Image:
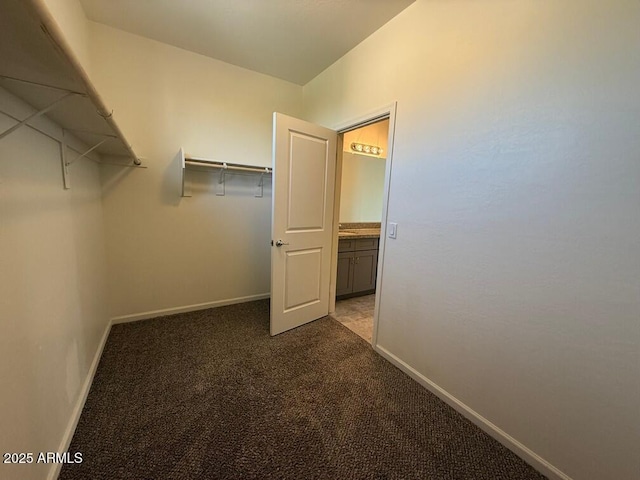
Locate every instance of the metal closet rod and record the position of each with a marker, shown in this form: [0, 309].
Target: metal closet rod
[203, 162]
[51, 27]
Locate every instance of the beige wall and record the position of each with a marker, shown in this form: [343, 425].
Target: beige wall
[167, 252]
[513, 283]
[53, 311]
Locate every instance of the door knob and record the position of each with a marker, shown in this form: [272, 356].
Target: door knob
[279, 243]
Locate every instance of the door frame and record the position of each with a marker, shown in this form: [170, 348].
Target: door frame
[382, 113]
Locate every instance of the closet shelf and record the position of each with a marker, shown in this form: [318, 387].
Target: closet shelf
[38, 66]
[225, 168]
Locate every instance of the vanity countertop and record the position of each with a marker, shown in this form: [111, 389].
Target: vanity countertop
[355, 233]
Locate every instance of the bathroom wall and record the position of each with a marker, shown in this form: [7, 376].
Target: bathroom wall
[363, 175]
[362, 188]
[376, 134]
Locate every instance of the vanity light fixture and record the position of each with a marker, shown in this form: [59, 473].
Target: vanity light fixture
[366, 149]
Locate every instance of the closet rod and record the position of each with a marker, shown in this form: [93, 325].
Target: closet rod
[226, 166]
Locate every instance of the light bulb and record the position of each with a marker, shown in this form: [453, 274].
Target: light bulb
[368, 149]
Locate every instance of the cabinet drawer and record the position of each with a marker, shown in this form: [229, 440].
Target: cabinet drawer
[366, 244]
[346, 245]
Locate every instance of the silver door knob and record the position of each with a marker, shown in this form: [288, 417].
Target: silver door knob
[279, 243]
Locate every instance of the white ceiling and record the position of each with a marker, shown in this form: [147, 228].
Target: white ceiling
[293, 40]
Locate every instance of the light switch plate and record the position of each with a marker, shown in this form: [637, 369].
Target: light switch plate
[393, 230]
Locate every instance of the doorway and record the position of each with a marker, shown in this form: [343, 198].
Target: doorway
[307, 177]
[362, 189]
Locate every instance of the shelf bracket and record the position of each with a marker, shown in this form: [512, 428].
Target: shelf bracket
[86, 152]
[220, 190]
[66, 180]
[186, 185]
[260, 188]
[37, 114]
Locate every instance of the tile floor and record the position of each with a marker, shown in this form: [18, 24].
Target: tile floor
[357, 315]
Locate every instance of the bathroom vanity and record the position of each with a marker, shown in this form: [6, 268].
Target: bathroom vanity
[357, 261]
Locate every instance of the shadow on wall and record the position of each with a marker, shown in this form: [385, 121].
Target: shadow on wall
[112, 175]
[171, 188]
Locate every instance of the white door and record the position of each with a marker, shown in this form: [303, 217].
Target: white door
[304, 165]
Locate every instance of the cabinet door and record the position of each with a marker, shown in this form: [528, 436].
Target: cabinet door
[344, 281]
[364, 270]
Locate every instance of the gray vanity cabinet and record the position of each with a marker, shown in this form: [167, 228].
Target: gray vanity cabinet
[344, 282]
[364, 271]
[357, 266]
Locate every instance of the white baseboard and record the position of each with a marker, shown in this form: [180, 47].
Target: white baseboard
[503, 437]
[187, 308]
[54, 471]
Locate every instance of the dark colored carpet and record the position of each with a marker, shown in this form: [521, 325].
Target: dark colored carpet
[210, 395]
